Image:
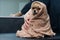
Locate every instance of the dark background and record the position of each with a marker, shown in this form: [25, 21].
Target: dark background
[10, 25]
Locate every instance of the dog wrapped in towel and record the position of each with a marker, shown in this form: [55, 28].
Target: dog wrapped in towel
[36, 22]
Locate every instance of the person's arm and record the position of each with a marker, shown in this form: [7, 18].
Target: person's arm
[28, 5]
[23, 11]
[26, 8]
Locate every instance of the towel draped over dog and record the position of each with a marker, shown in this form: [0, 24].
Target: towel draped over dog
[36, 25]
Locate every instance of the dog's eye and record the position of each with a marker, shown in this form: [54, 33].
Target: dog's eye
[33, 8]
[38, 8]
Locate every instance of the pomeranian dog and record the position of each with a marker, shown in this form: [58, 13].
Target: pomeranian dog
[36, 22]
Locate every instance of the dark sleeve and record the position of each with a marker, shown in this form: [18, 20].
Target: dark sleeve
[26, 8]
[28, 5]
[44, 1]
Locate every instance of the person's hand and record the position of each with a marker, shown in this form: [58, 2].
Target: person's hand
[17, 14]
[26, 24]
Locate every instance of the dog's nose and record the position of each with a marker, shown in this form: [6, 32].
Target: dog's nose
[34, 12]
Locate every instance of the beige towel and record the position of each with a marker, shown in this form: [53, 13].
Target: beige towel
[36, 25]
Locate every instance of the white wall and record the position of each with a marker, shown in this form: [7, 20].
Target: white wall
[8, 7]
[22, 4]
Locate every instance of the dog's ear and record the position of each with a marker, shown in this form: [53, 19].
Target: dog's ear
[42, 11]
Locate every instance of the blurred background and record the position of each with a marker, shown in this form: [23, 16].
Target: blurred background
[10, 25]
[8, 7]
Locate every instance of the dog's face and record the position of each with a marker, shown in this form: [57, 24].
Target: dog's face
[36, 8]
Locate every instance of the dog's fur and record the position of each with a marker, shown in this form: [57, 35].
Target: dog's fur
[38, 22]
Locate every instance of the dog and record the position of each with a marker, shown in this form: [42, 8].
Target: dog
[36, 22]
